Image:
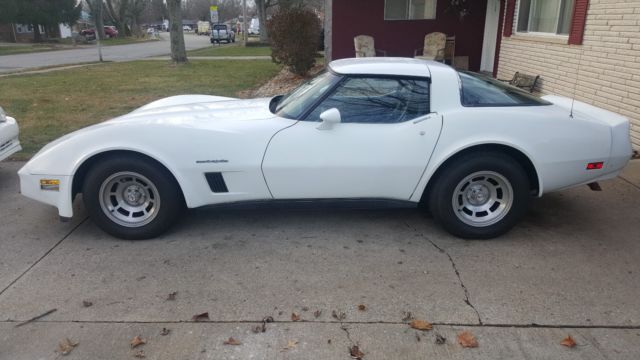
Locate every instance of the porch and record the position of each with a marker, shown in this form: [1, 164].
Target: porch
[399, 27]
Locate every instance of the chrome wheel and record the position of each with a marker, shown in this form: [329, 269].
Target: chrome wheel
[129, 199]
[482, 198]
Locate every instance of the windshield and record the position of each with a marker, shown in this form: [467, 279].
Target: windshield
[297, 102]
[479, 90]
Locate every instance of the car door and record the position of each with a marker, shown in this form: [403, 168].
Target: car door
[379, 149]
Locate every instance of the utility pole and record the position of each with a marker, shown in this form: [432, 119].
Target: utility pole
[99, 45]
[244, 22]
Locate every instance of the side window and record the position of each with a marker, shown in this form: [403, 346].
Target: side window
[377, 100]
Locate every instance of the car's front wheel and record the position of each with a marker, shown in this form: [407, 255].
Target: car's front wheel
[480, 196]
[132, 198]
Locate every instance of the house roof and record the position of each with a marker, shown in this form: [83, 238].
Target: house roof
[384, 66]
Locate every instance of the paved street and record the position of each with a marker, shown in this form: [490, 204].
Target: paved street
[110, 53]
[570, 268]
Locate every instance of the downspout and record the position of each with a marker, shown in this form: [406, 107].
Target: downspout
[496, 57]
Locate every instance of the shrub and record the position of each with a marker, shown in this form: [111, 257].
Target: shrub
[295, 34]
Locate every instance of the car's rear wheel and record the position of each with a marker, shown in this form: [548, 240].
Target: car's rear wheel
[132, 198]
[480, 196]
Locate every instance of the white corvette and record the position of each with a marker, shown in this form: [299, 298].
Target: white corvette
[470, 148]
[9, 143]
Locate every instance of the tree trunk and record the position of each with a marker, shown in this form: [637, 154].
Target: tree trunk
[262, 17]
[118, 17]
[36, 33]
[178, 53]
[95, 6]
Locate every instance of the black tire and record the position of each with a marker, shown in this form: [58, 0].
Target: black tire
[452, 179]
[165, 194]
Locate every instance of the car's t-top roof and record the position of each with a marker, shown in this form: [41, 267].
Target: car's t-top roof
[383, 66]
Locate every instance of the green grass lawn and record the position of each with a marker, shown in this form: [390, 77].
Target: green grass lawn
[232, 50]
[50, 105]
[124, 41]
[65, 45]
[23, 49]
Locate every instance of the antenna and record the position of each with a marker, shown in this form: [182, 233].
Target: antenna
[575, 84]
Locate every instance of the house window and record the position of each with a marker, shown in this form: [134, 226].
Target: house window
[545, 16]
[22, 28]
[409, 9]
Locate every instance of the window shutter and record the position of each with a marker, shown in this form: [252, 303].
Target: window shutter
[510, 13]
[576, 33]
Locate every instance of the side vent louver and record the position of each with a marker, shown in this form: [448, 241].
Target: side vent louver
[216, 182]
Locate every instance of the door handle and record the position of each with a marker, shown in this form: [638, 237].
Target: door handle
[421, 119]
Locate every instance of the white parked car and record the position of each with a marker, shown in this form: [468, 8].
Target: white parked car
[472, 149]
[9, 142]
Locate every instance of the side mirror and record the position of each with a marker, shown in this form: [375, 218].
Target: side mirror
[329, 118]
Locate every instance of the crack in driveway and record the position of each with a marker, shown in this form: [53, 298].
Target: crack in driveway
[343, 324]
[43, 256]
[455, 269]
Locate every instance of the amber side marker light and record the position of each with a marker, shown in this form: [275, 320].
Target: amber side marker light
[50, 184]
[595, 165]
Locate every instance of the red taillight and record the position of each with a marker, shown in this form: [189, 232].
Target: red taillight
[595, 165]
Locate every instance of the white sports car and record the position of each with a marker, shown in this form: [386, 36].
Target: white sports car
[470, 148]
[9, 142]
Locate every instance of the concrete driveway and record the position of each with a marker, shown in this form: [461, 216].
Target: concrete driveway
[570, 268]
[89, 54]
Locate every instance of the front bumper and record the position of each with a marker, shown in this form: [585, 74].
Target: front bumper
[61, 198]
[9, 142]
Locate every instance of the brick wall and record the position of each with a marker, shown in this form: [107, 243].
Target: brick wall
[603, 71]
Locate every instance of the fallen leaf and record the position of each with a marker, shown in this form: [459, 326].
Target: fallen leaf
[420, 325]
[466, 339]
[295, 317]
[440, 340]
[317, 313]
[362, 307]
[66, 346]
[338, 315]
[137, 341]
[356, 353]
[172, 296]
[140, 354]
[86, 303]
[232, 341]
[406, 316]
[568, 342]
[201, 317]
[291, 344]
[165, 331]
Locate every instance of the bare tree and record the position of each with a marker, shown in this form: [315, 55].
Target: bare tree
[178, 52]
[197, 9]
[118, 13]
[229, 9]
[263, 7]
[95, 8]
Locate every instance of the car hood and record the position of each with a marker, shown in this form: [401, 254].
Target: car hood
[191, 109]
[186, 111]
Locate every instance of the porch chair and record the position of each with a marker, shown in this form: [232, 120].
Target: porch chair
[434, 45]
[365, 47]
[450, 50]
[523, 81]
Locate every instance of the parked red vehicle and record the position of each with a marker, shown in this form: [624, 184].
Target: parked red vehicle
[109, 32]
